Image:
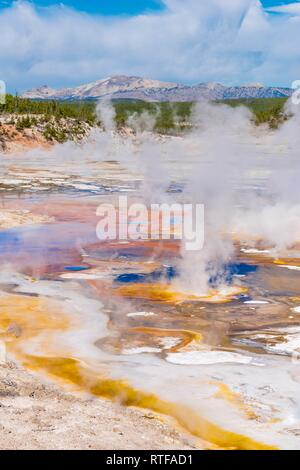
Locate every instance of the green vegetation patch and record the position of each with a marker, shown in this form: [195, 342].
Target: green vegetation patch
[82, 111]
[168, 118]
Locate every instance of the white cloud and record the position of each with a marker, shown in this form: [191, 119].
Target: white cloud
[230, 41]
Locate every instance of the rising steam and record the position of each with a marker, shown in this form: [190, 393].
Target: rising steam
[246, 177]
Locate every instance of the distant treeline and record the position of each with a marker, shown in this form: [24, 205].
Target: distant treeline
[168, 117]
[266, 110]
[82, 111]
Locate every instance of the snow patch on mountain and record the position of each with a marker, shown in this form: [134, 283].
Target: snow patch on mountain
[138, 88]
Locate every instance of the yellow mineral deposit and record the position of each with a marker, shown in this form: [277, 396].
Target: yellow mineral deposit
[119, 391]
[235, 399]
[165, 293]
[25, 319]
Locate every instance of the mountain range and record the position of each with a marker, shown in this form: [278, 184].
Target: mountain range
[122, 87]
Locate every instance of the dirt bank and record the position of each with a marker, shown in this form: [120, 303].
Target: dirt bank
[38, 415]
[15, 218]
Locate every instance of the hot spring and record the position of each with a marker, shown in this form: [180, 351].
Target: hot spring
[209, 337]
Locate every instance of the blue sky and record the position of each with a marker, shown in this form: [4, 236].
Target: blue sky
[118, 7]
[103, 7]
[271, 3]
[182, 41]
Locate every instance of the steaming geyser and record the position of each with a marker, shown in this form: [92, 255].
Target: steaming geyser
[80, 326]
